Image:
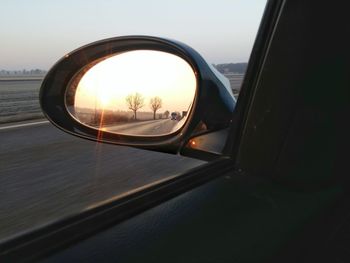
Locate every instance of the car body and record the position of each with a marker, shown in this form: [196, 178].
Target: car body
[173, 116]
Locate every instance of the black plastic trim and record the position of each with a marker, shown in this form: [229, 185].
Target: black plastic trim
[260, 50]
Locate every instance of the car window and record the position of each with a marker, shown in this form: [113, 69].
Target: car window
[47, 175]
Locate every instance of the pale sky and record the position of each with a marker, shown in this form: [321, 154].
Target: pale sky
[36, 33]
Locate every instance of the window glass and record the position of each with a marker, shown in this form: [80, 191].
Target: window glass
[45, 174]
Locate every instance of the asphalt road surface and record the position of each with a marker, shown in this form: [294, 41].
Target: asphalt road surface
[46, 174]
[153, 127]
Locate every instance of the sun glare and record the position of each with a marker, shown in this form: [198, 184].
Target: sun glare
[149, 73]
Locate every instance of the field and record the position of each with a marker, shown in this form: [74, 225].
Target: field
[19, 100]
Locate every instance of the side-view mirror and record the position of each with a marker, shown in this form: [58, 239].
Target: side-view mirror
[141, 91]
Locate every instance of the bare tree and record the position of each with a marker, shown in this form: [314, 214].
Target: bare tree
[156, 104]
[135, 102]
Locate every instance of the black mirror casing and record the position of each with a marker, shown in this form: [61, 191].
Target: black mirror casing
[213, 104]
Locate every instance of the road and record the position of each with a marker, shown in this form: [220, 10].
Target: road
[153, 127]
[46, 174]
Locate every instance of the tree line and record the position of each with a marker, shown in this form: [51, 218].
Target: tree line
[23, 72]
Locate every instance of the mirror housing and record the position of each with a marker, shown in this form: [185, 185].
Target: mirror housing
[211, 111]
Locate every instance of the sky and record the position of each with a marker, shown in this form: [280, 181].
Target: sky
[160, 74]
[37, 33]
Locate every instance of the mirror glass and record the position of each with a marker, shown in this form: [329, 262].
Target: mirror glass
[141, 92]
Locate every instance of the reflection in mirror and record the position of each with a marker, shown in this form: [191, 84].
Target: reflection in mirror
[142, 92]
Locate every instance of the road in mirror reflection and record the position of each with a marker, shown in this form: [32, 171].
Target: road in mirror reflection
[141, 92]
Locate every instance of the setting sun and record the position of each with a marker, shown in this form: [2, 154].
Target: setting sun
[149, 73]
